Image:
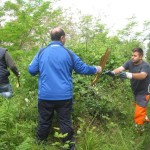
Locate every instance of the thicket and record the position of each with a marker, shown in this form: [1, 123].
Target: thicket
[103, 115]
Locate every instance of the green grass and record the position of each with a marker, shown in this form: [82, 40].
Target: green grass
[102, 116]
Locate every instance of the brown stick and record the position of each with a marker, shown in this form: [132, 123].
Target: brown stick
[102, 63]
[18, 82]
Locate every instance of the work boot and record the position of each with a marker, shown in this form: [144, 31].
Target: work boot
[147, 119]
[139, 128]
[72, 144]
[72, 147]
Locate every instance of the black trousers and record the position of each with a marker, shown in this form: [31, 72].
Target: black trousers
[46, 110]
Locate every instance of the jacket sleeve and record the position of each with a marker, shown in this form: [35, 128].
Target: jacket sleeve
[33, 67]
[81, 67]
[11, 64]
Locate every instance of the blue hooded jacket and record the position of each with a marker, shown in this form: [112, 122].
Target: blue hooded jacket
[55, 64]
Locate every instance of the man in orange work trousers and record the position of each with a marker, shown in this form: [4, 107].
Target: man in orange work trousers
[139, 75]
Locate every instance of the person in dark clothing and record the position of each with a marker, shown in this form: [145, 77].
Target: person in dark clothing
[139, 75]
[6, 62]
[55, 64]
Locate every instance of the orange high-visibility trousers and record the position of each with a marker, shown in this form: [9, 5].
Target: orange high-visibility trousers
[140, 113]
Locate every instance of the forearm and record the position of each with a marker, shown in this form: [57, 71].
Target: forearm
[10, 63]
[118, 70]
[139, 76]
[136, 76]
[15, 70]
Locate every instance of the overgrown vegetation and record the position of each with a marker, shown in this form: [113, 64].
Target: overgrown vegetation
[103, 115]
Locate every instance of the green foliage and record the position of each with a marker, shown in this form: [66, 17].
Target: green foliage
[148, 53]
[28, 23]
[102, 114]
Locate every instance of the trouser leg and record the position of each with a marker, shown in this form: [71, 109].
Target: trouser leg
[46, 112]
[140, 114]
[64, 119]
[6, 90]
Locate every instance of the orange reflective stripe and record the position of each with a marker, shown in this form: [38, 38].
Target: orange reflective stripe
[139, 115]
[147, 97]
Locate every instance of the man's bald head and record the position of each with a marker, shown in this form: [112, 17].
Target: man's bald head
[56, 34]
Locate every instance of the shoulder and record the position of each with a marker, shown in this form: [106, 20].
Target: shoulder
[127, 63]
[145, 64]
[3, 49]
[145, 67]
[70, 51]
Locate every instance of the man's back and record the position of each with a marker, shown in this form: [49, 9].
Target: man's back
[55, 68]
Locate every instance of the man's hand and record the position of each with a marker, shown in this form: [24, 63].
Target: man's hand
[98, 69]
[110, 73]
[125, 75]
[18, 74]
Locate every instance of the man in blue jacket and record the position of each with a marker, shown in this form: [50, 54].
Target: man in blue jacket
[55, 64]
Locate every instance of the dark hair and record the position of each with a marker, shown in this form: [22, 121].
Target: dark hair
[56, 34]
[139, 50]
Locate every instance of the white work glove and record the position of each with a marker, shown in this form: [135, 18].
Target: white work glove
[98, 69]
[125, 75]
